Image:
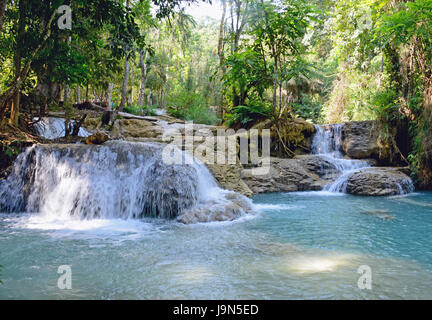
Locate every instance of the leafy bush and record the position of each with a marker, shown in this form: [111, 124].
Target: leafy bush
[309, 108]
[246, 115]
[190, 106]
[140, 110]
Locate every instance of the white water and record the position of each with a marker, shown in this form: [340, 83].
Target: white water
[53, 128]
[327, 143]
[117, 180]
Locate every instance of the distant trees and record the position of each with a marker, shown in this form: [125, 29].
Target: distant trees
[36, 54]
[269, 54]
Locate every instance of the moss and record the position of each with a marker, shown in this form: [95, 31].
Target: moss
[290, 137]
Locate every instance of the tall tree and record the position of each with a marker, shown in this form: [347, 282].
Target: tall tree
[221, 55]
[2, 12]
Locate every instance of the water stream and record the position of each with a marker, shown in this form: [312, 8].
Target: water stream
[107, 212]
[120, 179]
[327, 143]
[53, 128]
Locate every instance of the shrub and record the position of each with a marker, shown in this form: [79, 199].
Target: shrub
[190, 106]
[309, 108]
[140, 110]
[247, 115]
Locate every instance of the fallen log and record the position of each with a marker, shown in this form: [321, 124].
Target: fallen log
[132, 116]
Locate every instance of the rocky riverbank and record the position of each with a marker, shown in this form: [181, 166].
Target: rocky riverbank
[303, 171]
[300, 171]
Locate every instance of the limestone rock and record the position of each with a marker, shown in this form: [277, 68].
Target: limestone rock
[97, 138]
[92, 123]
[360, 139]
[229, 177]
[232, 207]
[296, 134]
[133, 128]
[298, 174]
[379, 181]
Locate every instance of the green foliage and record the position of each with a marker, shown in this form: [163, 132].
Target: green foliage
[190, 106]
[246, 115]
[11, 151]
[385, 105]
[272, 54]
[140, 110]
[246, 75]
[309, 107]
[411, 18]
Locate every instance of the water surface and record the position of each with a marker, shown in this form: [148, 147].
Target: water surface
[305, 245]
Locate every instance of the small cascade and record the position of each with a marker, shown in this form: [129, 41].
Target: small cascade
[116, 180]
[327, 143]
[53, 128]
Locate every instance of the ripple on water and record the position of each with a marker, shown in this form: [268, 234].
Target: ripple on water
[296, 247]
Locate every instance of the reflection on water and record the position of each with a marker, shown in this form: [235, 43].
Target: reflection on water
[314, 264]
[299, 246]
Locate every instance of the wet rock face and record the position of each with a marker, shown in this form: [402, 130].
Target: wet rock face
[303, 173]
[360, 140]
[229, 177]
[380, 181]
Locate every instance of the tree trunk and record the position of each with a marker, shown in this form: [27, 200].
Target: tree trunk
[237, 30]
[66, 97]
[78, 94]
[275, 83]
[17, 63]
[87, 92]
[126, 75]
[22, 75]
[143, 65]
[222, 56]
[109, 94]
[149, 98]
[125, 84]
[2, 12]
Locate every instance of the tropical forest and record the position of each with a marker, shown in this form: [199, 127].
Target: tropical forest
[215, 149]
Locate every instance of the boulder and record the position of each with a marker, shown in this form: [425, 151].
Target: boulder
[360, 139]
[229, 177]
[134, 128]
[97, 138]
[302, 173]
[379, 181]
[92, 123]
[232, 207]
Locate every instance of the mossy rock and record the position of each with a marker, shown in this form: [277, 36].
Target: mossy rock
[296, 135]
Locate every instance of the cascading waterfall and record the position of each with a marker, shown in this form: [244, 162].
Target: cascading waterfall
[116, 180]
[327, 143]
[53, 128]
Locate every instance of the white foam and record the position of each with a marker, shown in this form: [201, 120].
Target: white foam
[277, 207]
[323, 193]
[62, 227]
[53, 128]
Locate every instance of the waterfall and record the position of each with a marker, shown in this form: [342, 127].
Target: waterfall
[116, 180]
[327, 143]
[53, 128]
